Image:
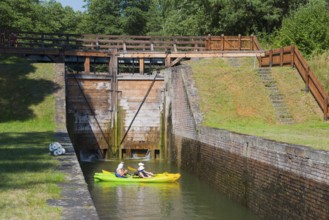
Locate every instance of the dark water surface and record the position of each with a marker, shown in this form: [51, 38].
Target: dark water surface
[189, 198]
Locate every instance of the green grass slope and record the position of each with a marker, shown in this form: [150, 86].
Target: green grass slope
[27, 172]
[320, 66]
[235, 99]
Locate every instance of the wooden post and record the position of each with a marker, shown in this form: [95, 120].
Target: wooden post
[97, 43]
[208, 42]
[153, 154]
[270, 58]
[175, 45]
[141, 65]
[124, 47]
[113, 69]
[281, 56]
[239, 42]
[152, 46]
[87, 65]
[325, 109]
[223, 42]
[128, 153]
[195, 45]
[292, 56]
[307, 83]
[252, 42]
[167, 61]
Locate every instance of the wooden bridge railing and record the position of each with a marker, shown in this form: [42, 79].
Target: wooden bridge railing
[232, 43]
[33, 40]
[291, 56]
[143, 43]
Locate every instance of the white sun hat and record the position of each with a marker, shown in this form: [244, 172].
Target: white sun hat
[140, 164]
[120, 166]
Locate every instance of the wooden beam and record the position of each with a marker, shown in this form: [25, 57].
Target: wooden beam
[176, 61]
[113, 69]
[132, 54]
[326, 106]
[204, 54]
[146, 54]
[167, 61]
[54, 52]
[141, 66]
[87, 65]
[87, 53]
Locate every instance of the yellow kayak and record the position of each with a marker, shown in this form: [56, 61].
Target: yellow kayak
[157, 178]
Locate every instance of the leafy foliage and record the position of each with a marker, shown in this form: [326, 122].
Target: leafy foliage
[304, 23]
[307, 27]
[140, 17]
[134, 21]
[225, 17]
[103, 17]
[38, 16]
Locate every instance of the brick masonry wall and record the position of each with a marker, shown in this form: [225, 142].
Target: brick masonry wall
[178, 113]
[274, 180]
[182, 118]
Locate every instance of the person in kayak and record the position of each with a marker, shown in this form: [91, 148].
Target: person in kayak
[120, 171]
[142, 172]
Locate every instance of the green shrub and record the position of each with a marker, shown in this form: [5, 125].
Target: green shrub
[307, 27]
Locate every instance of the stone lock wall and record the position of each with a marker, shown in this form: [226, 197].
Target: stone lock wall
[274, 180]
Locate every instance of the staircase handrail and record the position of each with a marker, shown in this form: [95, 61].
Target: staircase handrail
[291, 56]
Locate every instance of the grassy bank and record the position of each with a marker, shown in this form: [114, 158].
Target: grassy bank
[235, 99]
[27, 172]
[320, 66]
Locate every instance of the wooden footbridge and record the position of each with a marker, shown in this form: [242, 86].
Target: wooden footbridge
[170, 49]
[57, 47]
[165, 50]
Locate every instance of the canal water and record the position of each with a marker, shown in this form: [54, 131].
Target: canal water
[189, 198]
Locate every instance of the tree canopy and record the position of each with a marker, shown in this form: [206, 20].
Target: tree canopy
[301, 22]
[307, 27]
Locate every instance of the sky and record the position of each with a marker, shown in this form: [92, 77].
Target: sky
[75, 4]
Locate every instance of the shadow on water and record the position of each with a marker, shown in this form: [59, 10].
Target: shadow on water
[18, 92]
[189, 198]
[21, 153]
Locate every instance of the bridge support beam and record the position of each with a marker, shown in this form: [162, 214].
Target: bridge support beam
[87, 65]
[141, 66]
[113, 69]
[167, 61]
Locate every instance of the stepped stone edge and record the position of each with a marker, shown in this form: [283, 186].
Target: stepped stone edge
[75, 201]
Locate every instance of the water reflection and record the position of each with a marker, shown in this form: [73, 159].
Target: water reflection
[189, 198]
